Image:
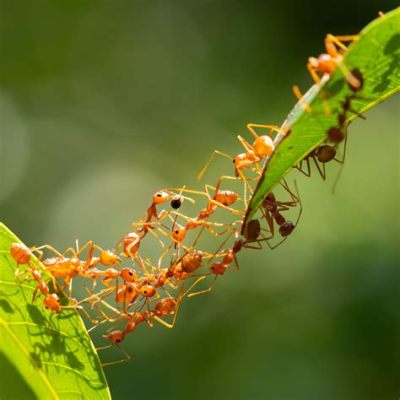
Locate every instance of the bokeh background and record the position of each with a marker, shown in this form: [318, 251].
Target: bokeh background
[105, 102]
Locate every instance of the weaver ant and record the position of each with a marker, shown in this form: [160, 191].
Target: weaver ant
[335, 135]
[262, 147]
[327, 63]
[160, 198]
[272, 212]
[23, 255]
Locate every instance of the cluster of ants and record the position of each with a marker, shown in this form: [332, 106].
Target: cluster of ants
[135, 289]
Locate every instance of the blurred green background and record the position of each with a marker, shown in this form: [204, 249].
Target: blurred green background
[105, 102]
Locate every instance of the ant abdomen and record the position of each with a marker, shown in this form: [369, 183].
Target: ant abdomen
[286, 228]
[176, 203]
[325, 153]
[252, 230]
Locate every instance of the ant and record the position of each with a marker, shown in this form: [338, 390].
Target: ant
[118, 336]
[66, 268]
[335, 135]
[160, 198]
[327, 63]
[272, 211]
[218, 268]
[220, 199]
[23, 255]
[262, 147]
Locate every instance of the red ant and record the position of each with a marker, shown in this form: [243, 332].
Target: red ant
[262, 147]
[333, 58]
[218, 268]
[159, 198]
[118, 336]
[23, 255]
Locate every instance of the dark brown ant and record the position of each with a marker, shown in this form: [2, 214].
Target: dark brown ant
[335, 135]
[272, 210]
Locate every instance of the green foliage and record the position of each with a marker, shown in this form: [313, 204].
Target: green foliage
[52, 352]
[377, 55]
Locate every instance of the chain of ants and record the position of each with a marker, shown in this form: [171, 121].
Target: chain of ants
[147, 291]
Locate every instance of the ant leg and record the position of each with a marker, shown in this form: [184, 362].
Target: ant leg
[295, 225]
[350, 78]
[295, 197]
[299, 166]
[250, 126]
[272, 247]
[208, 290]
[254, 247]
[313, 73]
[245, 144]
[126, 358]
[338, 41]
[321, 171]
[194, 284]
[220, 205]
[207, 164]
[247, 185]
[181, 295]
[249, 149]
[297, 93]
[331, 45]
[47, 247]
[94, 321]
[341, 161]
[154, 234]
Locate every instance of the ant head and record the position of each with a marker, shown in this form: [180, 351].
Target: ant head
[160, 197]
[179, 233]
[314, 62]
[147, 291]
[325, 153]
[115, 336]
[128, 275]
[335, 134]
[176, 202]
[237, 246]
[286, 228]
[126, 294]
[130, 289]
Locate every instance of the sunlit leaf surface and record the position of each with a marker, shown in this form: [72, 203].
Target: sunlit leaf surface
[52, 352]
[376, 54]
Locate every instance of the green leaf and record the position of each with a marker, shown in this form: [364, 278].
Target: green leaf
[376, 54]
[52, 352]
